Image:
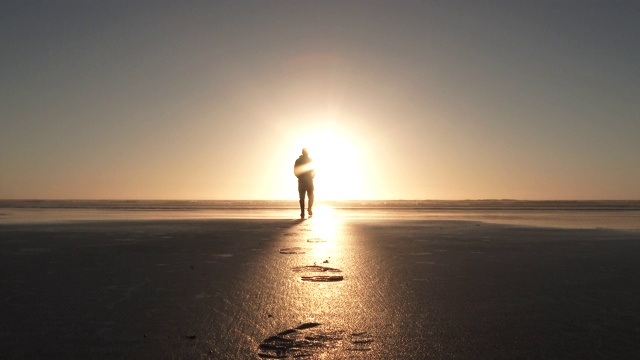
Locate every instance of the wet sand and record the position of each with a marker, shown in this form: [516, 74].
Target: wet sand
[321, 288]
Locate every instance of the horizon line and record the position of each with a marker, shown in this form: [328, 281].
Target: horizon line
[317, 200]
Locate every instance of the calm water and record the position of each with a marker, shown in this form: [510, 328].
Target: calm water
[569, 214]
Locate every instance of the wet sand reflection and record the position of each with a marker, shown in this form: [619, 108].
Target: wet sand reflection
[326, 295]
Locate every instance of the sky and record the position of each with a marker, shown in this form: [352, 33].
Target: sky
[395, 100]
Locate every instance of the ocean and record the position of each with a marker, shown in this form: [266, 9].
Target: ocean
[610, 214]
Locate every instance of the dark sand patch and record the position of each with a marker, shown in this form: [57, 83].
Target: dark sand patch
[312, 339]
[316, 240]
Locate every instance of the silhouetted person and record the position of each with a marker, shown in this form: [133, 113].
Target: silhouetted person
[305, 173]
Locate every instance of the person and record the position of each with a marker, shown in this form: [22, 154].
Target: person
[305, 172]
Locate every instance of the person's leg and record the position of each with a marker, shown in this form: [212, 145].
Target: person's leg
[310, 194]
[301, 192]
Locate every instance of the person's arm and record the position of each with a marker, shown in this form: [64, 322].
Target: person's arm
[296, 169]
[303, 169]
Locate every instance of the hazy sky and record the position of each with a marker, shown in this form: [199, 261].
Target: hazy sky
[402, 100]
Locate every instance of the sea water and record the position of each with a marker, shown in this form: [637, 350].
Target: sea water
[623, 215]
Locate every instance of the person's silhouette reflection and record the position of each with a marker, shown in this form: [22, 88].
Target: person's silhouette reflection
[305, 172]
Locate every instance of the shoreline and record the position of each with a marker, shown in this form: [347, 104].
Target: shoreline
[628, 220]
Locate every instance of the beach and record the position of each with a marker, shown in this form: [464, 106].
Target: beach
[329, 287]
[467, 173]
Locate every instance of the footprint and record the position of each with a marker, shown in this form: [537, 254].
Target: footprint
[311, 339]
[317, 240]
[307, 326]
[311, 269]
[293, 250]
[361, 341]
[314, 268]
[322, 278]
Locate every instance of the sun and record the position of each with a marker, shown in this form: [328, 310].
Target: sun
[337, 164]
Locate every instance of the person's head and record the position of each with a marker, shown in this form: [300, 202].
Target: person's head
[305, 152]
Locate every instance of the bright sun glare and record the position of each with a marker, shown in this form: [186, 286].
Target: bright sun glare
[337, 166]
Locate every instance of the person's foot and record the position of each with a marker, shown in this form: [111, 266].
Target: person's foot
[302, 215]
[310, 212]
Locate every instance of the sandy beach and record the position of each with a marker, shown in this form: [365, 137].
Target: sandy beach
[323, 288]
